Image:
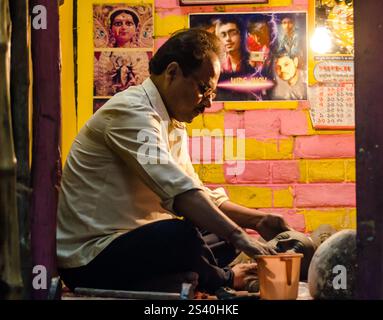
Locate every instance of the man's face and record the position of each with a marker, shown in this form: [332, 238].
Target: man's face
[230, 36]
[286, 68]
[287, 25]
[186, 94]
[123, 28]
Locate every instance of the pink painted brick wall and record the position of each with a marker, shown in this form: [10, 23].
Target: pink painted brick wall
[263, 124]
[325, 195]
[293, 123]
[255, 172]
[201, 152]
[234, 121]
[293, 218]
[325, 146]
[266, 124]
[285, 171]
[216, 106]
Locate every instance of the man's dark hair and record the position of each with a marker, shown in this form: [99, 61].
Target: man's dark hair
[284, 53]
[188, 48]
[118, 12]
[230, 19]
[287, 16]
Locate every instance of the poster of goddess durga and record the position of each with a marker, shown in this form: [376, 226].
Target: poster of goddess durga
[123, 26]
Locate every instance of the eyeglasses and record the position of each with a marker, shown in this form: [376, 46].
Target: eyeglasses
[205, 91]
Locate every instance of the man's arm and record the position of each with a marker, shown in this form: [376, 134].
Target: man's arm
[266, 224]
[196, 206]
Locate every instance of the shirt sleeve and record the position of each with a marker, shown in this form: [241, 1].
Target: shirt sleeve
[218, 195]
[135, 135]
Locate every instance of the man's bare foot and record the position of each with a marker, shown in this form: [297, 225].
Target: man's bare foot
[243, 273]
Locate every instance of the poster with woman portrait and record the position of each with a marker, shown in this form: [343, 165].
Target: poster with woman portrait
[123, 26]
[264, 55]
[123, 46]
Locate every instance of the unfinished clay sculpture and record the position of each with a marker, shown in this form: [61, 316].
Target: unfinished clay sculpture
[332, 269]
[297, 242]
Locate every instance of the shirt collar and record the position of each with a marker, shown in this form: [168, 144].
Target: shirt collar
[158, 104]
[155, 99]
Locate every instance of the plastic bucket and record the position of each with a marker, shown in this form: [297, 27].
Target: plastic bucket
[279, 276]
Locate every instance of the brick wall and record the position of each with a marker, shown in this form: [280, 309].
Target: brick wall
[304, 174]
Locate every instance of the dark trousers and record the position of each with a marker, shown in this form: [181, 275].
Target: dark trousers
[155, 250]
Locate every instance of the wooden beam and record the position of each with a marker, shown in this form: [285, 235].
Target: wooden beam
[20, 121]
[46, 162]
[10, 276]
[369, 146]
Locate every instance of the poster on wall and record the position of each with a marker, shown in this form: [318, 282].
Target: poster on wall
[123, 26]
[117, 71]
[331, 90]
[264, 54]
[123, 46]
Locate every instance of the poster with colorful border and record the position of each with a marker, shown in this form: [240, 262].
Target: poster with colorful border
[264, 54]
[123, 46]
[331, 64]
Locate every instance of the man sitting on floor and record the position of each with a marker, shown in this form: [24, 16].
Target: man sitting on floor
[132, 211]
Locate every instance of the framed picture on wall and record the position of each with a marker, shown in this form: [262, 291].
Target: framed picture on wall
[123, 26]
[211, 2]
[264, 54]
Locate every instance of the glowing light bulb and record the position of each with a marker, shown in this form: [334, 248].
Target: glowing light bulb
[321, 40]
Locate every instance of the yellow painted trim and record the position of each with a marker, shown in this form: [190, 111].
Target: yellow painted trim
[350, 170]
[310, 30]
[261, 105]
[166, 25]
[68, 105]
[271, 3]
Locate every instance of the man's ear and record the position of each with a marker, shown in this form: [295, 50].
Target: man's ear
[172, 70]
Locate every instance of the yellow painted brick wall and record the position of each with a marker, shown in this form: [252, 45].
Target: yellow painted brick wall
[210, 173]
[260, 105]
[279, 196]
[283, 198]
[343, 218]
[254, 197]
[208, 124]
[270, 149]
[350, 171]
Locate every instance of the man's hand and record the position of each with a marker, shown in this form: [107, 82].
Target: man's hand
[251, 247]
[271, 225]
